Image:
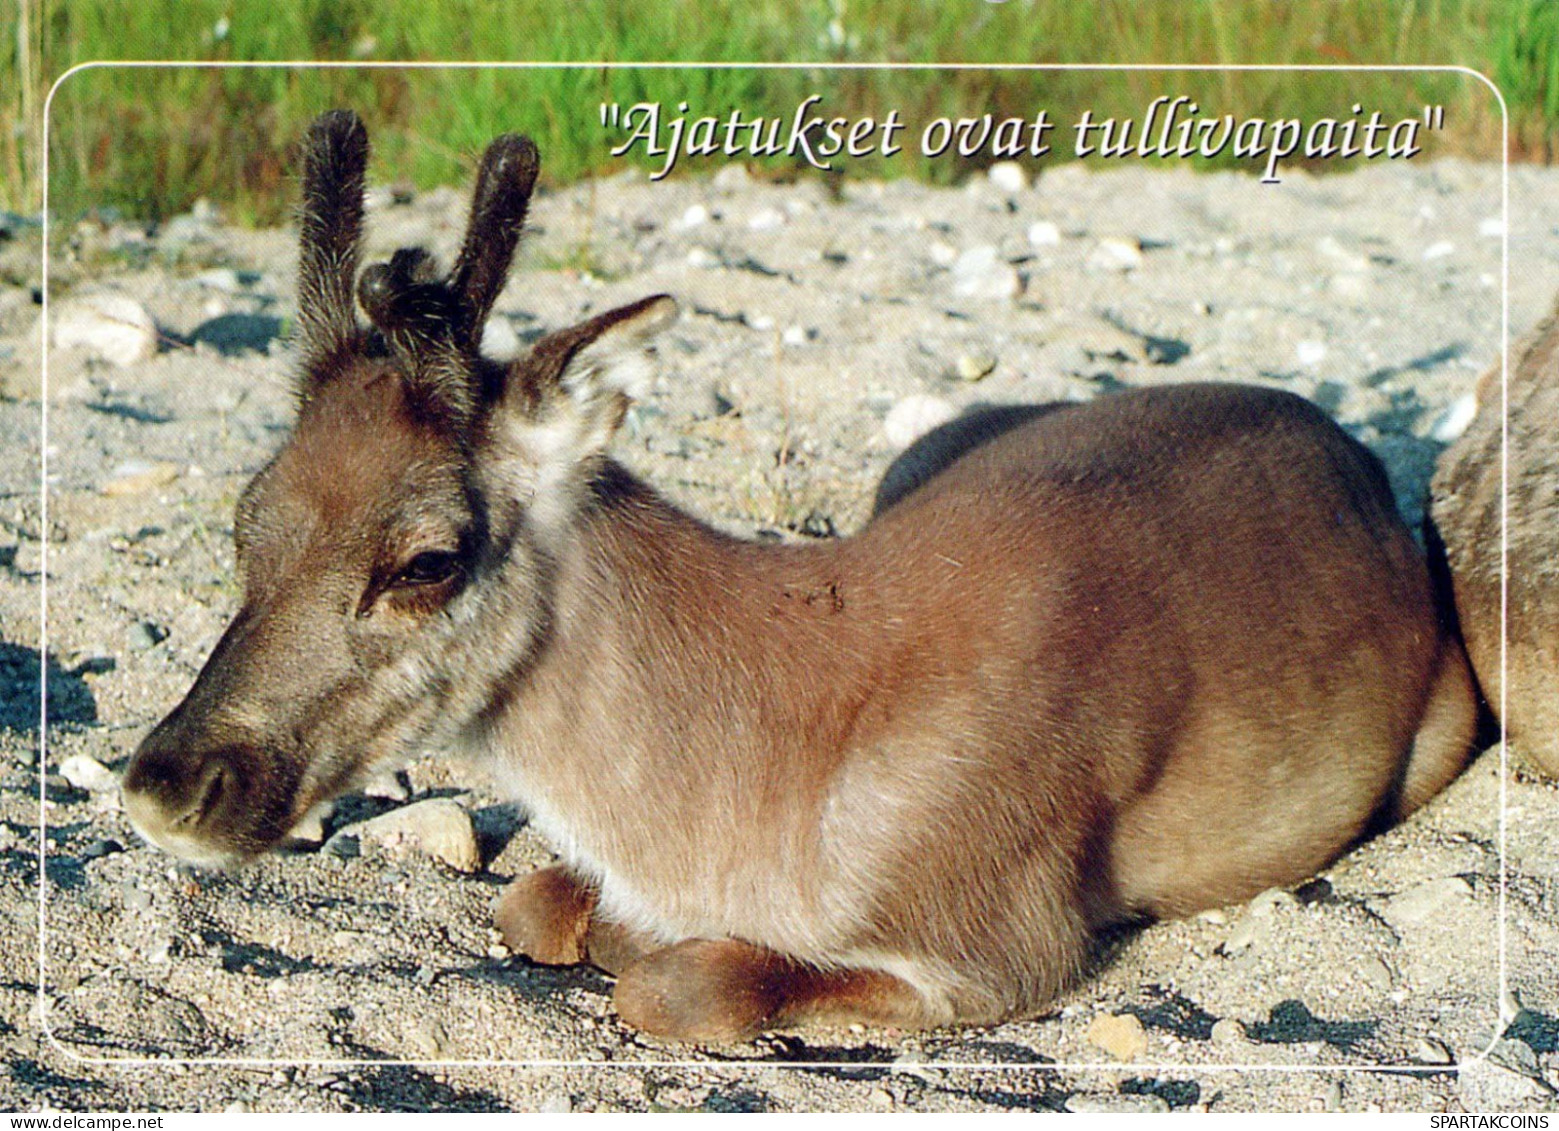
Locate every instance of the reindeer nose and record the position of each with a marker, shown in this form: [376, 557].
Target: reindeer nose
[174, 797]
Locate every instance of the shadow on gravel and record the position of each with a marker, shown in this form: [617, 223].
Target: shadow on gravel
[232, 334]
[70, 699]
[398, 1088]
[31, 1074]
[1537, 1031]
[1175, 1014]
[1291, 1022]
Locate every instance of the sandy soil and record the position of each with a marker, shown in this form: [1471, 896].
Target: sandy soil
[808, 321]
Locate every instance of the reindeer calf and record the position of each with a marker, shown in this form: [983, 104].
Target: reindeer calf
[1131, 658]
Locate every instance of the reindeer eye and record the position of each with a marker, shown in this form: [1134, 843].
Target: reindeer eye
[429, 568]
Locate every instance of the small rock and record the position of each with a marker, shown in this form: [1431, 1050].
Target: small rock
[914, 416]
[438, 826]
[237, 1107]
[1430, 1051]
[144, 634]
[1110, 1103]
[1422, 902]
[980, 272]
[1264, 904]
[942, 254]
[108, 325]
[136, 898]
[974, 366]
[1332, 1100]
[1376, 973]
[1251, 929]
[1487, 1086]
[1439, 250]
[732, 176]
[223, 279]
[695, 215]
[344, 846]
[428, 1037]
[1008, 176]
[1119, 1034]
[1451, 423]
[1349, 261]
[767, 220]
[703, 258]
[133, 477]
[1491, 226]
[1114, 253]
[1518, 1056]
[797, 335]
[561, 1103]
[101, 848]
[1350, 286]
[86, 772]
[1310, 353]
[881, 1099]
[1228, 1032]
[1042, 233]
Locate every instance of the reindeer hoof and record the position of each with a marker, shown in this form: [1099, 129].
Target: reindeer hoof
[544, 916]
[700, 990]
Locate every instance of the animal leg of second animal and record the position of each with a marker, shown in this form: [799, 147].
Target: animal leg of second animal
[1441, 746]
[729, 990]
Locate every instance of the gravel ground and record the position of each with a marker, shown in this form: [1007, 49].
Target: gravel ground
[818, 330]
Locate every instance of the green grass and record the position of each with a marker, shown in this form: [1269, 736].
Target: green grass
[148, 142]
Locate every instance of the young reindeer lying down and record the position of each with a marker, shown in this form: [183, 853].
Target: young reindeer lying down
[1132, 658]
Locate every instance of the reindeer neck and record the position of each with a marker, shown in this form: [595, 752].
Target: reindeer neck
[674, 643]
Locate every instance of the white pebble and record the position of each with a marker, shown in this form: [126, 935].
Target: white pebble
[693, 216]
[1439, 250]
[438, 826]
[1043, 233]
[1451, 423]
[797, 335]
[733, 176]
[1423, 903]
[86, 772]
[1310, 353]
[768, 220]
[1116, 253]
[110, 326]
[702, 257]
[980, 272]
[1491, 226]
[1008, 176]
[914, 416]
[942, 254]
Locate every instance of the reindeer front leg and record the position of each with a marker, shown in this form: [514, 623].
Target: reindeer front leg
[549, 917]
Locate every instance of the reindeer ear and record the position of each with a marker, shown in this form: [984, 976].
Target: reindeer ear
[584, 377]
[335, 161]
